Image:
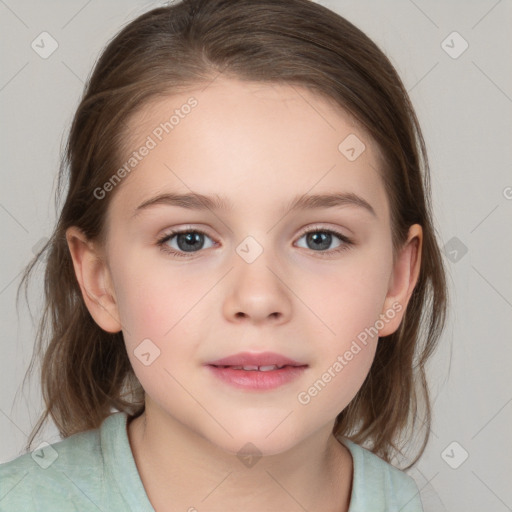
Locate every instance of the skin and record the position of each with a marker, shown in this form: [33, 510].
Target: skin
[259, 145]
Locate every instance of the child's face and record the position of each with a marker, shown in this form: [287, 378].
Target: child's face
[259, 147]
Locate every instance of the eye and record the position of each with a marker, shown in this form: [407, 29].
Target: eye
[184, 241]
[320, 240]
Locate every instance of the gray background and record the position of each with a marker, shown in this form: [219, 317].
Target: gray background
[464, 105]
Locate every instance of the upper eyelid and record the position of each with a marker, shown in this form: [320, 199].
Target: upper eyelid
[320, 227]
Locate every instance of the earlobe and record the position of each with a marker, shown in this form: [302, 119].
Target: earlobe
[404, 277]
[94, 279]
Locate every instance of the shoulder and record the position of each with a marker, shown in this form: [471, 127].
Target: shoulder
[379, 486]
[66, 473]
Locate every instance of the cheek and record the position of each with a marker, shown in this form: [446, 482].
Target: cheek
[159, 314]
[346, 297]
[348, 301]
[153, 299]
[154, 313]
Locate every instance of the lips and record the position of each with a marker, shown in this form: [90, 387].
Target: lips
[264, 361]
[256, 372]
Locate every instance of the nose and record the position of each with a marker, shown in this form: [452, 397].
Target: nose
[257, 293]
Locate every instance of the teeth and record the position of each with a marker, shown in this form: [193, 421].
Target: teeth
[257, 368]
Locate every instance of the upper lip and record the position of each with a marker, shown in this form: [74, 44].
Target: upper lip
[255, 359]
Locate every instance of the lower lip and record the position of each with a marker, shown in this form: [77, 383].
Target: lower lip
[257, 380]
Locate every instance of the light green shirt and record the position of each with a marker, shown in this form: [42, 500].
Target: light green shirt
[96, 471]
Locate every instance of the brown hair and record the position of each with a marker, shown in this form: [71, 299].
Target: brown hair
[85, 370]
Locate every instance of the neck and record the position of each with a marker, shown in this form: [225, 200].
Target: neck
[181, 470]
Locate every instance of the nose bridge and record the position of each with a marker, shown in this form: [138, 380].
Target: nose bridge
[256, 293]
[253, 263]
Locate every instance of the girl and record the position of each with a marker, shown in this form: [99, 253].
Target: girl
[244, 285]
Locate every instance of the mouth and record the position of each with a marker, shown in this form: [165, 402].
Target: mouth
[250, 361]
[257, 372]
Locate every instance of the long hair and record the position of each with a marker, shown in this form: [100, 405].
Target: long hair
[85, 371]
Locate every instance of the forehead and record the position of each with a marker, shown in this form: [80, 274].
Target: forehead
[253, 142]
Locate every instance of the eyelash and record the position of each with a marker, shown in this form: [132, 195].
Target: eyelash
[162, 242]
[166, 249]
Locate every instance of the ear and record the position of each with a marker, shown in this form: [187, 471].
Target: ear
[94, 278]
[403, 279]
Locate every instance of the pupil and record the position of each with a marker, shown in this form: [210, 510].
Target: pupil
[191, 241]
[320, 240]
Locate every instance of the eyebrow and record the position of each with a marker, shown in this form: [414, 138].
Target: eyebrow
[196, 201]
